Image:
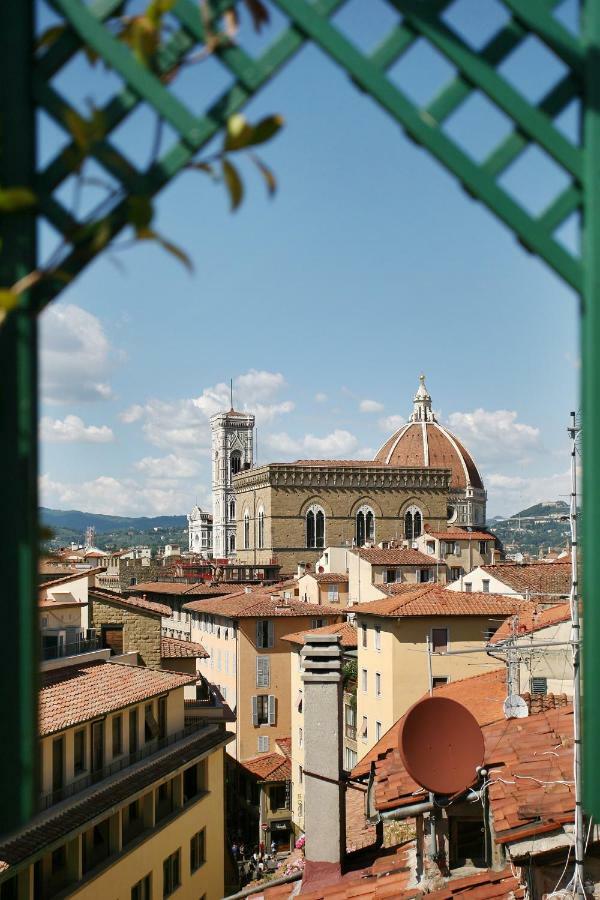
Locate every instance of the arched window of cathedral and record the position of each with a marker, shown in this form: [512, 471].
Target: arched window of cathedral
[231, 542]
[365, 526]
[236, 462]
[413, 523]
[315, 527]
[246, 530]
[232, 510]
[261, 528]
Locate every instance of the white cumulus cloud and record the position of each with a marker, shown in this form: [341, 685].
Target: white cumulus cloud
[370, 406]
[321, 397]
[507, 494]
[335, 445]
[496, 435]
[76, 358]
[255, 391]
[170, 466]
[73, 429]
[391, 423]
[120, 496]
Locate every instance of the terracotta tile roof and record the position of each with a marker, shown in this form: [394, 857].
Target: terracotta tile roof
[63, 822]
[47, 568]
[537, 703]
[177, 588]
[482, 694]
[78, 573]
[212, 590]
[484, 885]
[537, 577]
[251, 604]
[330, 577]
[285, 745]
[269, 767]
[433, 600]
[397, 556]
[60, 601]
[134, 603]
[173, 648]
[536, 793]
[347, 631]
[527, 621]
[461, 534]
[82, 692]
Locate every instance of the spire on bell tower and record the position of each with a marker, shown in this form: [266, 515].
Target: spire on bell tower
[422, 411]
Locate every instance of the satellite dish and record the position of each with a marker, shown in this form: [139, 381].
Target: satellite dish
[515, 707]
[441, 745]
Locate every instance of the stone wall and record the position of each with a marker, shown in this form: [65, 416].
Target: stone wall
[141, 631]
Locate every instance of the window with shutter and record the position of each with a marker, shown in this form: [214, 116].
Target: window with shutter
[255, 710]
[263, 743]
[270, 634]
[272, 713]
[263, 671]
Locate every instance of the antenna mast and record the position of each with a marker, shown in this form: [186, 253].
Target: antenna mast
[231, 393]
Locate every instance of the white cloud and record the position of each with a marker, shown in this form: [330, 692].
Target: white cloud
[252, 392]
[132, 414]
[391, 423]
[120, 497]
[507, 494]
[336, 445]
[370, 406]
[71, 429]
[495, 435]
[320, 398]
[170, 466]
[76, 359]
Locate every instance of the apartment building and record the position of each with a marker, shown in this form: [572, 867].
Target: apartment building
[537, 581]
[348, 642]
[131, 800]
[458, 551]
[393, 636]
[250, 662]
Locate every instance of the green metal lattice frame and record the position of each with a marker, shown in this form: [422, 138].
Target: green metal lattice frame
[533, 125]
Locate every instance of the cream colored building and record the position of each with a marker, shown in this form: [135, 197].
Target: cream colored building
[457, 551]
[323, 587]
[131, 800]
[536, 581]
[250, 662]
[348, 640]
[393, 668]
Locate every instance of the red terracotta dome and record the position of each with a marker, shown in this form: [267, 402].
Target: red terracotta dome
[423, 442]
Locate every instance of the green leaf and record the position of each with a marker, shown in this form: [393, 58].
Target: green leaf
[266, 173]
[49, 36]
[8, 301]
[141, 211]
[234, 184]
[156, 9]
[16, 199]
[77, 128]
[239, 133]
[266, 129]
[148, 234]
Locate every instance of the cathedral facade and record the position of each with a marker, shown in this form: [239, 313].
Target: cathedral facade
[421, 479]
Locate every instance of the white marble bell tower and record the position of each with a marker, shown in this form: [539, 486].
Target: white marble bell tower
[232, 452]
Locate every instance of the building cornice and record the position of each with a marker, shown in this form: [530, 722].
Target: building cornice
[303, 475]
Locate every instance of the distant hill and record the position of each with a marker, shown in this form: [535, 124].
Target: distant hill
[535, 529]
[547, 508]
[75, 520]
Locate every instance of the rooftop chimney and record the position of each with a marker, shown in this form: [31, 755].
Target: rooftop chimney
[324, 796]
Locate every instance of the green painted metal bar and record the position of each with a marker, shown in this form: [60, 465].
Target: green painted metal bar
[273, 59]
[530, 120]
[18, 423]
[69, 43]
[420, 128]
[567, 202]
[532, 15]
[590, 333]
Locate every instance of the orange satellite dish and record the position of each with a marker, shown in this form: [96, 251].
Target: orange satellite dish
[441, 745]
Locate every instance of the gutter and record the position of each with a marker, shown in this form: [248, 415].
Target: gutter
[257, 890]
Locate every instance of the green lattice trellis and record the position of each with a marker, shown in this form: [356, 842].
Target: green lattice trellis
[533, 125]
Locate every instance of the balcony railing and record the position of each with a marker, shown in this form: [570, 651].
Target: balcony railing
[57, 651]
[85, 780]
[350, 731]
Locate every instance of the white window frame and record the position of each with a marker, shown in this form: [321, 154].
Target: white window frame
[378, 692]
[364, 681]
[378, 731]
[364, 729]
[445, 628]
[263, 671]
[377, 637]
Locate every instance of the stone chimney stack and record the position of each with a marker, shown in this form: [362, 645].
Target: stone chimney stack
[324, 794]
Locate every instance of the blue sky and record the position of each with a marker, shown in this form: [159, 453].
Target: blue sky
[369, 266]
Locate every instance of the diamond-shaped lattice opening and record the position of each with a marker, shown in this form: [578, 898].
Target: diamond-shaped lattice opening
[138, 136]
[532, 69]
[80, 83]
[534, 180]
[421, 72]
[478, 126]
[366, 24]
[476, 21]
[568, 120]
[568, 14]
[569, 234]
[200, 84]
[51, 138]
[82, 193]
[49, 239]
